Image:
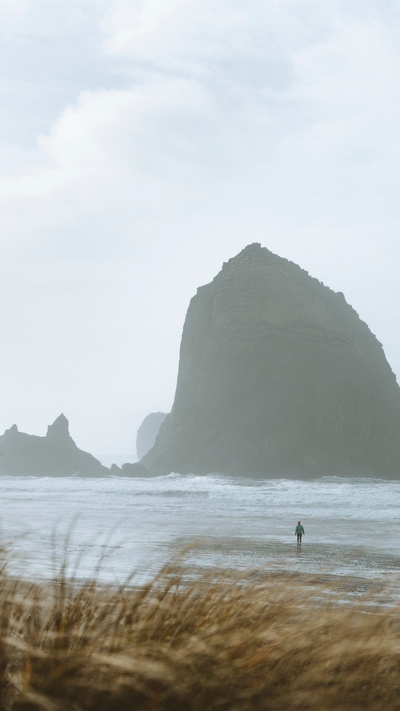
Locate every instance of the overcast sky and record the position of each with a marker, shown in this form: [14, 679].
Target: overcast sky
[145, 142]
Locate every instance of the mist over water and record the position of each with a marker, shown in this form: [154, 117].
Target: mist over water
[351, 526]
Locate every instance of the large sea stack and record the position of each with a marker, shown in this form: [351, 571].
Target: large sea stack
[278, 377]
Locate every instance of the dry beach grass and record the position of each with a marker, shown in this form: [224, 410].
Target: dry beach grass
[219, 642]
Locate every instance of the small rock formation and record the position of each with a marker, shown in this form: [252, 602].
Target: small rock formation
[278, 377]
[53, 455]
[147, 432]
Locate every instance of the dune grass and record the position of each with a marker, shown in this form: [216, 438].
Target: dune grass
[223, 642]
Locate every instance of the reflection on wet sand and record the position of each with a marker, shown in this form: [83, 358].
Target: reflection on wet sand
[353, 570]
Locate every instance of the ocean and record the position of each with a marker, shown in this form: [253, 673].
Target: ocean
[110, 527]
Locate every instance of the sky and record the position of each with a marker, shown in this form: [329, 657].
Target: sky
[145, 142]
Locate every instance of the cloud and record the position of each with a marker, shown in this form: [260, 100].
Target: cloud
[11, 7]
[273, 113]
[114, 153]
[231, 115]
[152, 28]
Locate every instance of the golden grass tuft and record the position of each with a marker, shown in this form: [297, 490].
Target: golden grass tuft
[221, 642]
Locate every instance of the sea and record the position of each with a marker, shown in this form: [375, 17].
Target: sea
[124, 530]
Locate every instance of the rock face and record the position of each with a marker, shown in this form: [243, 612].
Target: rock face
[53, 455]
[278, 377]
[148, 431]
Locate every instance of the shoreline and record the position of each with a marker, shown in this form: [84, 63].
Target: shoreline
[322, 587]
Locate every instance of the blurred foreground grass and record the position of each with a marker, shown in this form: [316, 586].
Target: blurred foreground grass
[219, 642]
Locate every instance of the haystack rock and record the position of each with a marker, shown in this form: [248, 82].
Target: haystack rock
[278, 377]
[53, 455]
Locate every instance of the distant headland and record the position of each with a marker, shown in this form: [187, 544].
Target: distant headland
[56, 454]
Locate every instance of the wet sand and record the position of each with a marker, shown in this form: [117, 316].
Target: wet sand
[351, 572]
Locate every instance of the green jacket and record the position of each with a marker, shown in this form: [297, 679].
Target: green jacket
[299, 529]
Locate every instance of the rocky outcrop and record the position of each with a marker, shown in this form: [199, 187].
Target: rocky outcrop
[53, 455]
[147, 432]
[278, 377]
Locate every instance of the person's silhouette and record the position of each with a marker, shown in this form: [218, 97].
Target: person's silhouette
[299, 532]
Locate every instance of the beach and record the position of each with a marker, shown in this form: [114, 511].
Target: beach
[191, 593]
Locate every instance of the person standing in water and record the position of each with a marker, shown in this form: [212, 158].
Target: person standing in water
[299, 532]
